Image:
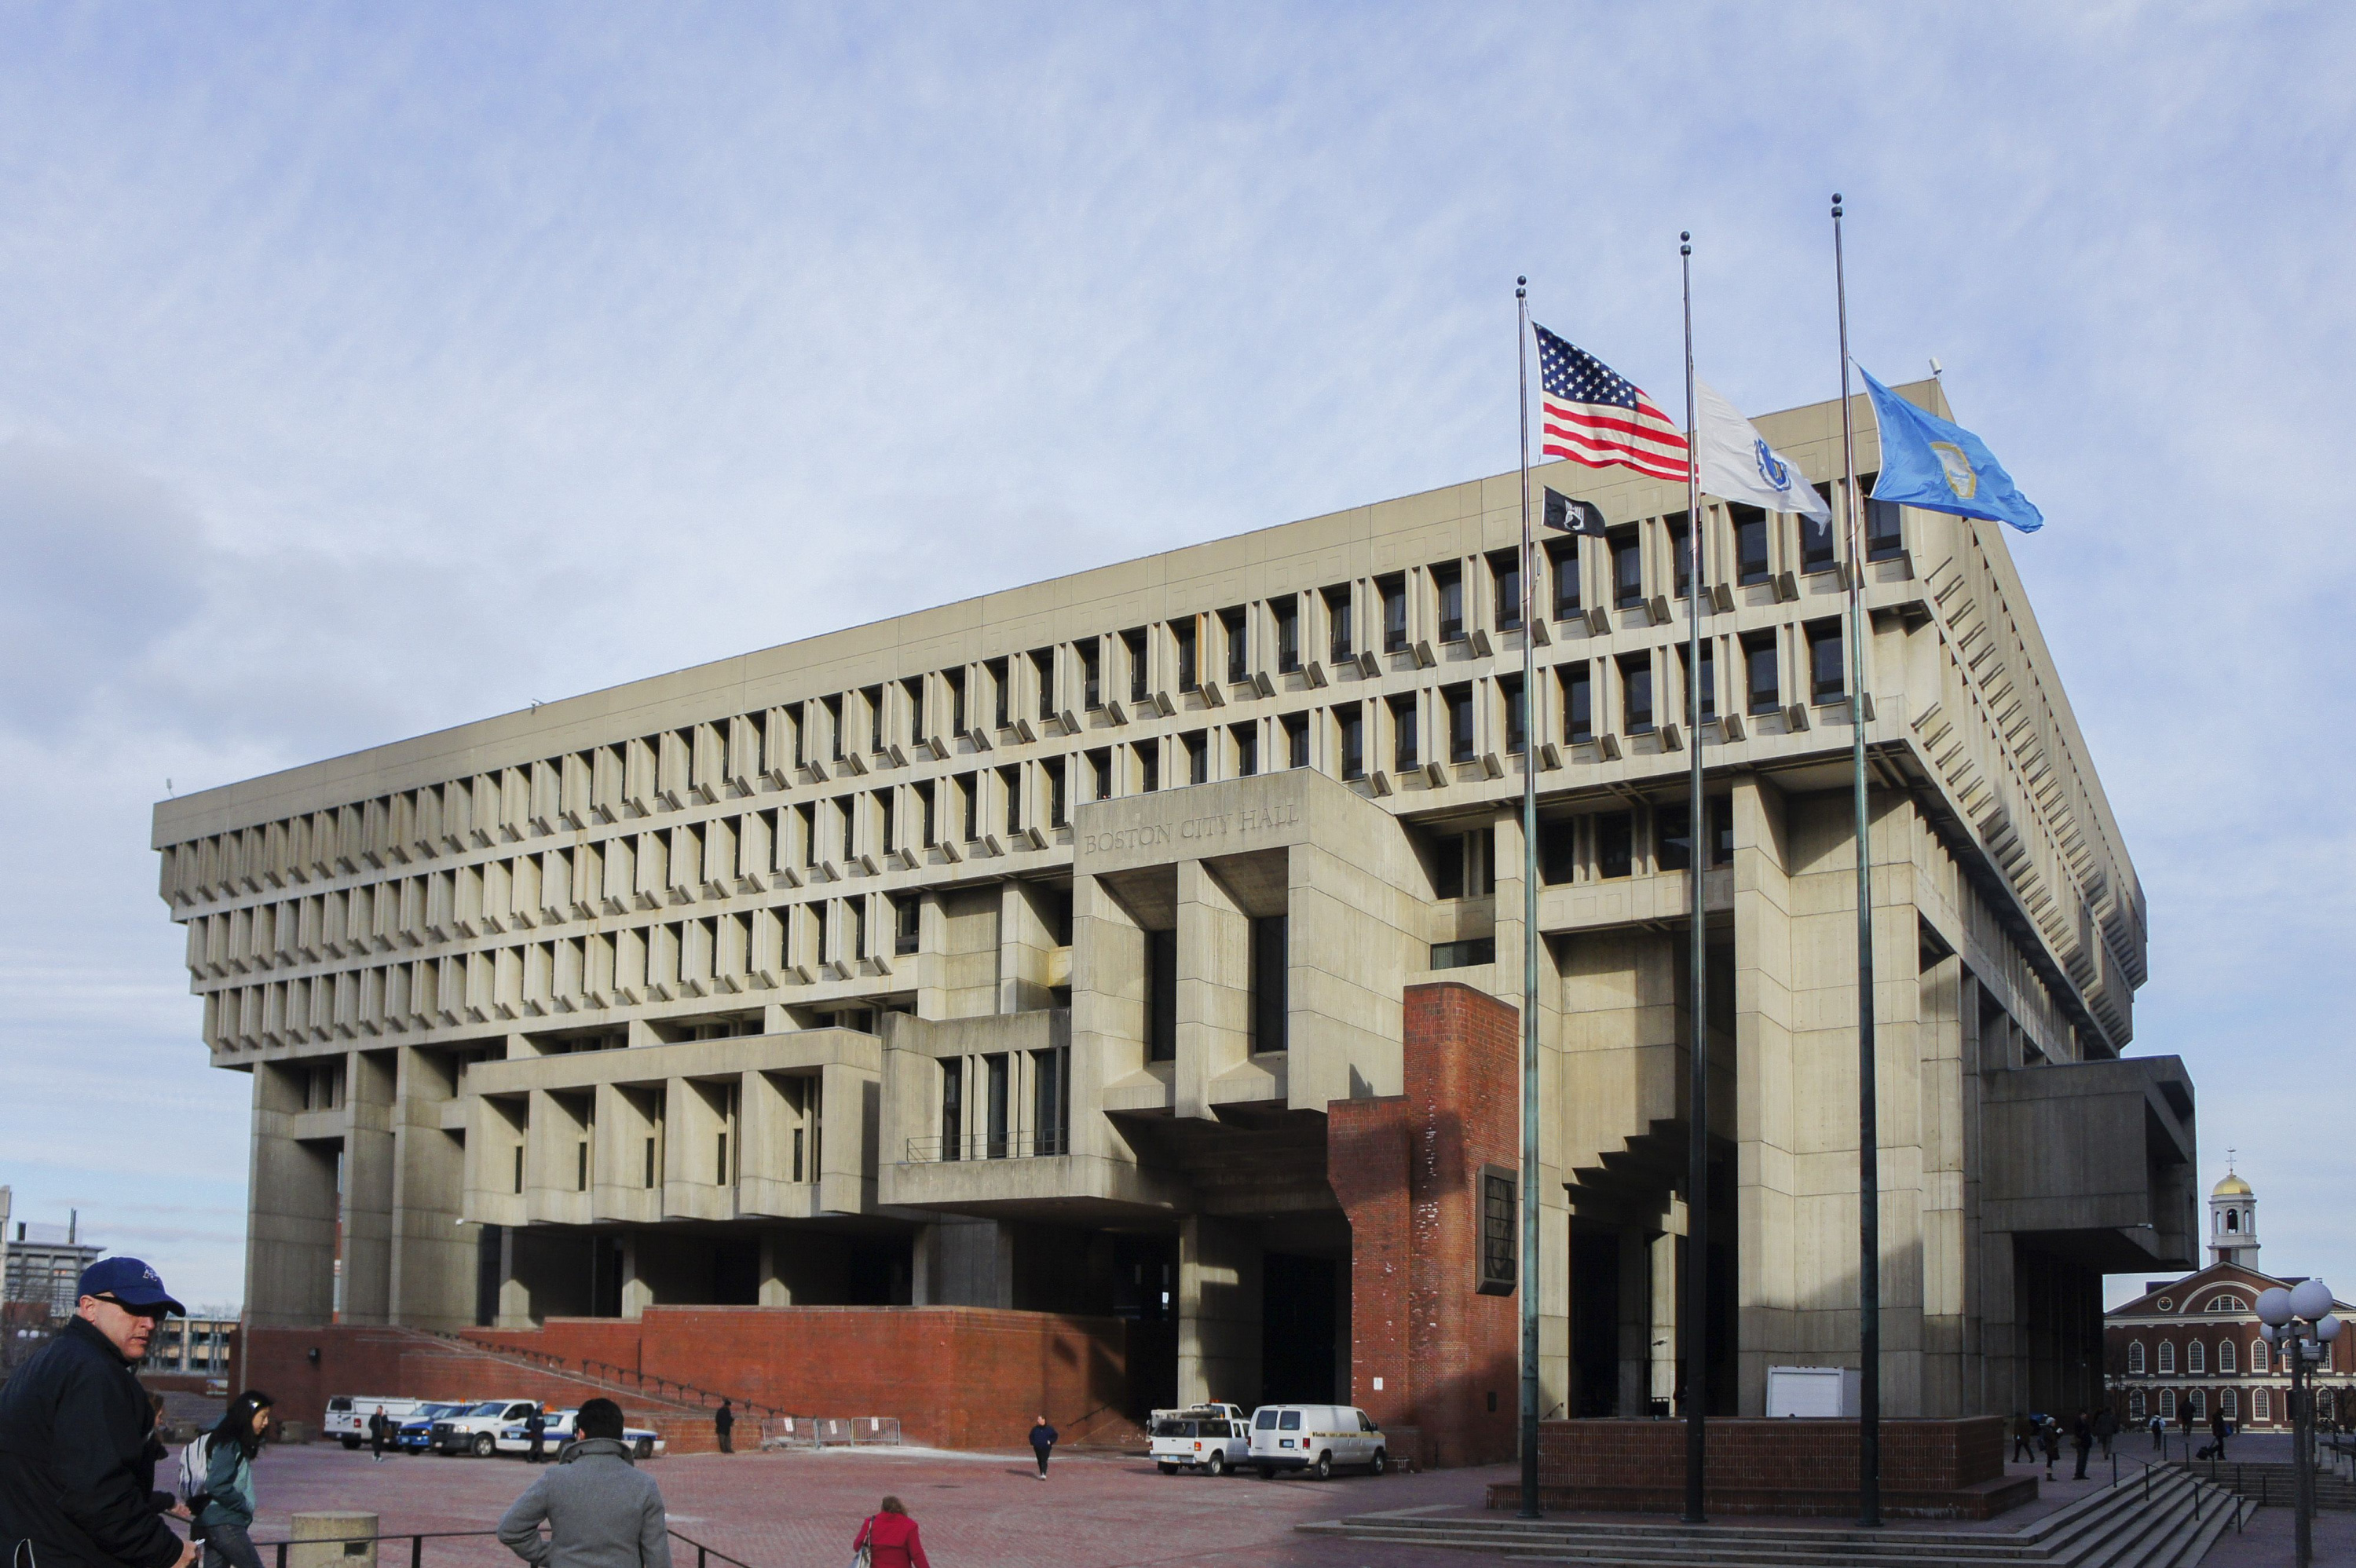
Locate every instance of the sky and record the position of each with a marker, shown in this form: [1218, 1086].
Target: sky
[365, 370]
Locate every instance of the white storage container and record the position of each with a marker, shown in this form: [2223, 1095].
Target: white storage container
[1813, 1390]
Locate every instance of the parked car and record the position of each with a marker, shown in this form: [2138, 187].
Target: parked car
[476, 1429]
[416, 1434]
[1213, 1437]
[644, 1442]
[1318, 1438]
[348, 1414]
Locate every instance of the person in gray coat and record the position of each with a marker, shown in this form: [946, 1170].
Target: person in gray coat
[601, 1512]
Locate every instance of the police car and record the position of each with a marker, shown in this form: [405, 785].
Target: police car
[1210, 1437]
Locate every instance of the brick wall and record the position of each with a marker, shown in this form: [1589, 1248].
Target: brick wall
[398, 1362]
[1405, 1169]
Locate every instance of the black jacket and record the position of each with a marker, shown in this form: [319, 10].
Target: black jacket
[1043, 1436]
[73, 1438]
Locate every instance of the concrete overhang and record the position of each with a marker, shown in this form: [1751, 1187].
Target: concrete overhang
[2095, 1158]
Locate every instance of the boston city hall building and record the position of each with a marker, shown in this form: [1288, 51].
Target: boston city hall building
[1104, 994]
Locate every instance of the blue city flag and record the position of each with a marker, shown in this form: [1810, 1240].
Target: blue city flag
[1942, 467]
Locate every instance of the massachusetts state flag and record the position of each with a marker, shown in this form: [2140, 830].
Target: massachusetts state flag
[1590, 414]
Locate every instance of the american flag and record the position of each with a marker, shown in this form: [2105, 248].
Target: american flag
[1591, 415]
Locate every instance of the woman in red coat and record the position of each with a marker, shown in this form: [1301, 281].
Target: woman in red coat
[890, 1538]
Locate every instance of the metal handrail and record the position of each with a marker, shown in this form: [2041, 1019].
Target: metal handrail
[978, 1147]
[618, 1374]
[704, 1556]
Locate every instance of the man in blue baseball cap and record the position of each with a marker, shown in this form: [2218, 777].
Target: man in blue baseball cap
[73, 1431]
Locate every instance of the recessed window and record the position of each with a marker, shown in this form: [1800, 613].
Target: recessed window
[1247, 750]
[1708, 679]
[969, 787]
[1749, 544]
[1816, 537]
[1562, 556]
[1404, 753]
[2168, 1403]
[1286, 611]
[1506, 579]
[1557, 850]
[1132, 643]
[1673, 836]
[1447, 866]
[2167, 1357]
[2224, 1355]
[1091, 670]
[1766, 692]
[1100, 773]
[915, 687]
[1149, 766]
[1264, 982]
[908, 910]
[1342, 633]
[1351, 719]
[1509, 693]
[1636, 693]
[1459, 702]
[1162, 993]
[1447, 588]
[1615, 843]
[1577, 703]
[872, 696]
[2136, 1358]
[833, 706]
[1001, 691]
[1627, 566]
[2196, 1357]
[2135, 1404]
[1185, 632]
[1680, 532]
[1296, 740]
[1393, 589]
[1052, 771]
[1233, 625]
[1042, 676]
[1885, 538]
[953, 1108]
[1009, 780]
[1463, 954]
[956, 679]
[1824, 673]
[1499, 1242]
[2258, 1355]
[1198, 757]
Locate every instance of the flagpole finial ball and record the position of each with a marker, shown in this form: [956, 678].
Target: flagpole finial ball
[1684, 236]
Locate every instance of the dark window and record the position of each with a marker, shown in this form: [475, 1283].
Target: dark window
[1615, 842]
[953, 1108]
[1059, 914]
[1680, 529]
[1719, 813]
[1343, 643]
[1286, 611]
[1051, 1098]
[1458, 955]
[1509, 692]
[908, 910]
[1247, 750]
[1233, 624]
[1266, 982]
[1000, 696]
[1499, 1240]
[1708, 679]
[1394, 591]
[956, 679]
[1627, 566]
[1759, 659]
[883, 801]
[1350, 717]
[1296, 740]
[970, 787]
[1749, 544]
[1447, 866]
[801, 735]
[916, 690]
[1100, 773]
[925, 821]
[1885, 538]
[875, 698]
[1011, 781]
[1043, 670]
[1198, 757]
[1636, 693]
[1816, 538]
[1557, 850]
[995, 1111]
[1185, 632]
[1673, 836]
[1577, 703]
[1459, 699]
[1053, 771]
[1505, 576]
[1161, 991]
[1133, 643]
[833, 706]
[1091, 672]
[1824, 674]
[1563, 554]
[1149, 766]
[1448, 587]
[1404, 753]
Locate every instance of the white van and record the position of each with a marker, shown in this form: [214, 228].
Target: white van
[348, 1417]
[1318, 1438]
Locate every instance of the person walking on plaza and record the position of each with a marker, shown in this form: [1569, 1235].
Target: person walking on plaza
[2023, 1433]
[2106, 1426]
[226, 1521]
[2048, 1437]
[2184, 1425]
[2218, 1430]
[601, 1510]
[2082, 1438]
[379, 1430]
[1042, 1440]
[535, 1433]
[2158, 1433]
[890, 1538]
[724, 1422]
[74, 1424]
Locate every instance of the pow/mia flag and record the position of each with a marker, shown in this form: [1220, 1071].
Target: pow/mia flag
[1572, 516]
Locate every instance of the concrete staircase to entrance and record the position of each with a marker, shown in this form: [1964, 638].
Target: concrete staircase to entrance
[2115, 1528]
[2272, 1483]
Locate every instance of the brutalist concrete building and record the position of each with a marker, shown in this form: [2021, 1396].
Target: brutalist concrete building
[1020, 954]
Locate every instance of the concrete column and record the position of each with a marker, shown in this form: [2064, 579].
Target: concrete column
[776, 1287]
[1213, 987]
[964, 1263]
[1768, 1287]
[637, 1293]
[1219, 1312]
[1026, 943]
[1109, 1005]
[1948, 1213]
[371, 1082]
[433, 1256]
[290, 1249]
[1551, 1272]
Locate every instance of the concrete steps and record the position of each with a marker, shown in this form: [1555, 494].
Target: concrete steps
[2271, 1482]
[2115, 1528]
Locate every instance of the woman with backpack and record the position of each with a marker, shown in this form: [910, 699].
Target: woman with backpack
[226, 1515]
[888, 1540]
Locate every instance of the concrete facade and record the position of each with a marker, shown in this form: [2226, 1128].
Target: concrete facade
[1011, 954]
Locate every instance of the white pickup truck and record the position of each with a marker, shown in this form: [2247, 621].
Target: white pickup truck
[348, 1417]
[1210, 1437]
[476, 1429]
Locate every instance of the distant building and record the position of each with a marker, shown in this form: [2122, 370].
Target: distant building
[45, 1263]
[192, 1346]
[2193, 1343]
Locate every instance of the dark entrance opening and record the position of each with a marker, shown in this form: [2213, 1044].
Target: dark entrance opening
[1595, 1321]
[735, 1274]
[607, 1263]
[1145, 1294]
[1298, 1329]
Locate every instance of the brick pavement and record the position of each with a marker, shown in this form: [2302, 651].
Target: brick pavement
[800, 1510]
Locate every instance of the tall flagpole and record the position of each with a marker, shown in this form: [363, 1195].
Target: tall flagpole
[1528, 1283]
[1868, 1139]
[1694, 1326]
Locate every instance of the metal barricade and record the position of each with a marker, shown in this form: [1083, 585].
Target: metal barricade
[832, 1431]
[868, 1429]
[789, 1432]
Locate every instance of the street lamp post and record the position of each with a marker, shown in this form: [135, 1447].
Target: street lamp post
[2298, 1323]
